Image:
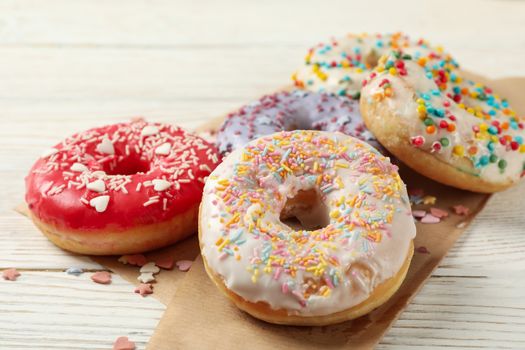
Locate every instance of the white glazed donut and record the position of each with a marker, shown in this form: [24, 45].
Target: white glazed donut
[448, 128]
[340, 65]
[311, 276]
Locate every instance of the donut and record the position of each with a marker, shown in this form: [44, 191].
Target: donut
[448, 128]
[120, 189]
[290, 110]
[340, 65]
[350, 252]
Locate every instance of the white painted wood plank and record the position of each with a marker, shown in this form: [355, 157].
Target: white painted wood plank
[53, 310]
[24, 247]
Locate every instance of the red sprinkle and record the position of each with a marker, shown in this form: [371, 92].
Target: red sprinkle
[135, 259]
[123, 343]
[10, 274]
[461, 210]
[422, 250]
[166, 263]
[417, 141]
[101, 277]
[144, 289]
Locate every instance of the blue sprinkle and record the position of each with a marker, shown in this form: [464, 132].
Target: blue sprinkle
[425, 97]
[76, 271]
[493, 130]
[484, 160]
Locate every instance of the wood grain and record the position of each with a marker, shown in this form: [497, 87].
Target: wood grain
[66, 66]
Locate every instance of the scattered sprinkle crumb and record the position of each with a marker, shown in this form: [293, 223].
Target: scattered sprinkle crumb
[429, 200]
[150, 267]
[439, 213]
[419, 213]
[422, 250]
[123, 343]
[461, 210]
[430, 219]
[101, 277]
[135, 259]
[10, 274]
[184, 265]
[166, 263]
[144, 289]
[461, 224]
[76, 271]
[416, 199]
[146, 277]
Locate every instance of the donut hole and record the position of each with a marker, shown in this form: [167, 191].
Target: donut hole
[372, 59]
[127, 166]
[305, 211]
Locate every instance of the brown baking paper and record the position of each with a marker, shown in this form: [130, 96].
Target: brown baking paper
[200, 317]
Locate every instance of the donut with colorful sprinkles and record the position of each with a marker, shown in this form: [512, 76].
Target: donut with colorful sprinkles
[445, 127]
[341, 64]
[291, 110]
[348, 255]
[120, 189]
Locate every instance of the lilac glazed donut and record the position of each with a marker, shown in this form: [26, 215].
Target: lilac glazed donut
[295, 110]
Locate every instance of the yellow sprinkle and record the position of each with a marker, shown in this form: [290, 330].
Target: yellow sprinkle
[458, 150]
[335, 214]
[219, 241]
[522, 148]
[341, 165]
[429, 200]
[223, 244]
[286, 168]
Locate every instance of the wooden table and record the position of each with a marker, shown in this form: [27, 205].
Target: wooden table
[69, 65]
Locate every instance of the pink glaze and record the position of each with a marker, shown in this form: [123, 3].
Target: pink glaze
[124, 159]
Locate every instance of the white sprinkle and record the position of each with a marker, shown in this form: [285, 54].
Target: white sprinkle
[151, 201]
[160, 185]
[163, 149]
[184, 181]
[98, 174]
[190, 174]
[49, 152]
[146, 277]
[84, 200]
[99, 203]
[149, 130]
[105, 146]
[78, 167]
[205, 167]
[97, 186]
[139, 185]
[150, 268]
[164, 203]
